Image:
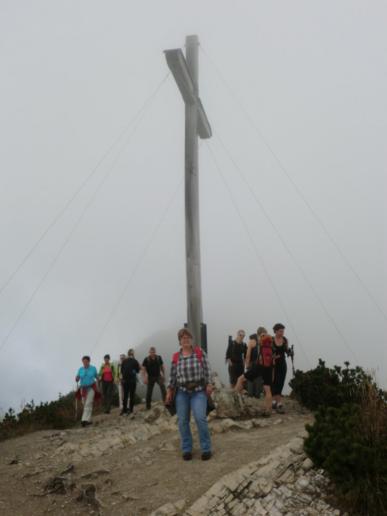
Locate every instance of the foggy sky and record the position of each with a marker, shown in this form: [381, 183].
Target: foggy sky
[312, 76]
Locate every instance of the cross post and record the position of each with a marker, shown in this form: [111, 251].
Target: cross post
[186, 73]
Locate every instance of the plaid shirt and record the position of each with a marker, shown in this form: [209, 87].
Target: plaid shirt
[190, 370]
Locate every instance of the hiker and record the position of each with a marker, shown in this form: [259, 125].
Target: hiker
[235, 357]
[190, 384]
[107, 374]
[153, 372]
[261, 365]
[129, 369]
[87, 376]
[280, 349]
[119, 379]
[254, 387]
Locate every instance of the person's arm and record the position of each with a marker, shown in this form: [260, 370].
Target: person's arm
[248, 352]
[144, 372]
[228, 353]
[78, 376]
[208, 379]
[162, 368]
[172, 383]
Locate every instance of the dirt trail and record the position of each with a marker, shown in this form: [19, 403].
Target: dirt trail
[129, 481]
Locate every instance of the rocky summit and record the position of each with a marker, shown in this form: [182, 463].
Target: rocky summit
[132, 466]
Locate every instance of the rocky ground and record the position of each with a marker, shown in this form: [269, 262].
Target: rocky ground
[132, 466]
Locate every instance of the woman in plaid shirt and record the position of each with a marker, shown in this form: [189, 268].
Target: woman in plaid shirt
[191, 382]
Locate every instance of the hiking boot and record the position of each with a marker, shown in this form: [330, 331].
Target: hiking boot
[187, 455]
[266, 413]
[280, 409]
[123, 412]
[274, 405]
[206, 455]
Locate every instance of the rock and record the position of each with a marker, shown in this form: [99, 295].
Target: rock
[307, 464]
[87, 496]
[296, 445]
[95, 474]
[153, 414]
[302, 483]
[69, 469]
[58, 485]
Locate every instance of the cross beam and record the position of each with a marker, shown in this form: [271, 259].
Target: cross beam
[185, 70]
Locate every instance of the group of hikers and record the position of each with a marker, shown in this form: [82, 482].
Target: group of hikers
[125, 376]
[260, 362]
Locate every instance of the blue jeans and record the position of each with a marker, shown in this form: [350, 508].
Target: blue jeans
[197, 402]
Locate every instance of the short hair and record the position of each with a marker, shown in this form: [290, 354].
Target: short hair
[184, 331]
[85, 357]
[261, 331]
[278, 326]
[152, 348]
[130, 351]
[107, 356]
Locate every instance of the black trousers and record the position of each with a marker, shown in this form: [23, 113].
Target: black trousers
[129, 389]
[280, 370]
[235, 370]
[149, 391]
[107, 394]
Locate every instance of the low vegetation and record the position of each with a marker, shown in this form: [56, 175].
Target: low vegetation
[349, 436]
[58, 414]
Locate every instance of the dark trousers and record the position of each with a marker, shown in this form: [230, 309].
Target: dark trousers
[235, 370]
[107, 393]
[129, 389]
[149, 391]
[280, 370]
[255, 387]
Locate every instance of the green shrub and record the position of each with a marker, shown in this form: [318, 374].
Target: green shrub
[350, 443]
[55, 414]
[329, 387]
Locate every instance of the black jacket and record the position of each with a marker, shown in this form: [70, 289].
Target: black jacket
[129, 368]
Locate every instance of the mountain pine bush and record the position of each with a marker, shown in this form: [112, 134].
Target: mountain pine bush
[348, 438]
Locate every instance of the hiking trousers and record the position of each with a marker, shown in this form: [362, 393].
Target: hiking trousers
[149, 390]
[280, 370]
[129, 389]
[255, 387]
[197, 403]
[88, 405]
[107, 393]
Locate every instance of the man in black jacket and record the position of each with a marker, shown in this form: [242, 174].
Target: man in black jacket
[235, 357]
[129, 369]
[153, 372]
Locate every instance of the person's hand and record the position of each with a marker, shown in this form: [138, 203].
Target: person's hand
[209, 389]
[169, 397]
[145, 380]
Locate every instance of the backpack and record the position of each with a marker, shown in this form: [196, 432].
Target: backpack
[198, 352]
[266, 351]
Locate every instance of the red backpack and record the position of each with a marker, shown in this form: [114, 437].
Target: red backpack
[198, 352]
[266, 351]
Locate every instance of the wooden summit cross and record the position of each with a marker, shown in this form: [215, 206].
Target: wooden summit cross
[185, 71]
